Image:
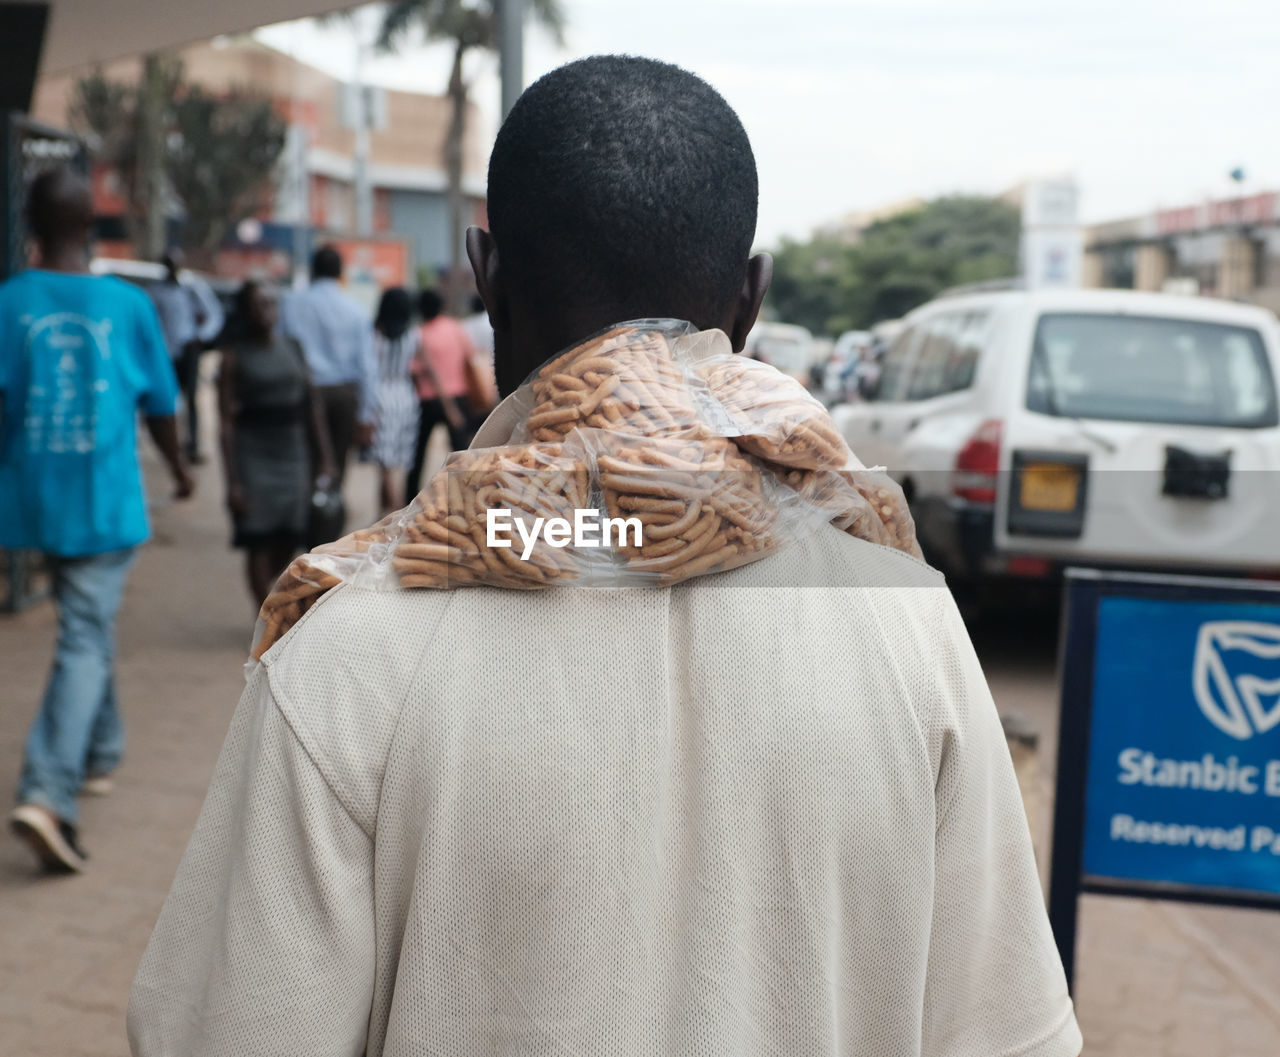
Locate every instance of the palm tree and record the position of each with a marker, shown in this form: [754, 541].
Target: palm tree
[465, 24]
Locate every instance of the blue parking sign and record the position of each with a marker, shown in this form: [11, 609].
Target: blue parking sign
[1169, 744]
[1184, 758]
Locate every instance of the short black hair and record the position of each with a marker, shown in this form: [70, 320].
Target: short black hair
[430, 304]
[326, 263]
[243, 303]
[623, 181]
[59, 206]
[395, 312]
[244, 325]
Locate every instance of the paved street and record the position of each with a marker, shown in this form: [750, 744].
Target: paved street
[1155, 979]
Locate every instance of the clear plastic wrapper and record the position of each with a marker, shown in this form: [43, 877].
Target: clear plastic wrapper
[648, 454]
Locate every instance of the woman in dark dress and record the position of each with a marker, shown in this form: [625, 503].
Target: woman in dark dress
[269, 413]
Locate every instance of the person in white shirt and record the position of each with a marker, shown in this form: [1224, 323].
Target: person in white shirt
[764, 811]
[336, 335]
[192, 318]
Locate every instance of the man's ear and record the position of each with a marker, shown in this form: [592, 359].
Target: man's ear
[482, 251]
[754, 287]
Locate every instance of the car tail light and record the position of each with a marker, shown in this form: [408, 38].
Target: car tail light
[1022, 565]
[977, 464]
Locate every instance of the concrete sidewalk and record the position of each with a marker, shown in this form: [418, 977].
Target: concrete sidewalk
[1155, 979]
[69, 946]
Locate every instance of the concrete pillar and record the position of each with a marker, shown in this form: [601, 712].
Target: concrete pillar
[1237, 267]
[1150, 266]
[1091, 270]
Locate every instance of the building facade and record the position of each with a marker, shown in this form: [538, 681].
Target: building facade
[1223, 248]
[313, 196]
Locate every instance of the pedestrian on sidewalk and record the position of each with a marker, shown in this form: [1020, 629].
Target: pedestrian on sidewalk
[761, 811]
[336, 336]
[192, 319]
[80, 356]
[482, 390]
[397, 346]
[442, 389]
[479, 330]
[272, 420]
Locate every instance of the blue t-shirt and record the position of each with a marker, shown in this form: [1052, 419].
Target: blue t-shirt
[80, 355]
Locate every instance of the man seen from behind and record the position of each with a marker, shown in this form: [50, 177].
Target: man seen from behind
[80, 356]
[191, 318]
[762, 811]
[336, 336]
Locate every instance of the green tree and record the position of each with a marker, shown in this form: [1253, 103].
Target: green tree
[464, 25]
[809, 281]
[221, 154]
[125, 125]
[213, 153]
[830, 285]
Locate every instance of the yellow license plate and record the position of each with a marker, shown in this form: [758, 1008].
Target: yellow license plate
[1050, 486]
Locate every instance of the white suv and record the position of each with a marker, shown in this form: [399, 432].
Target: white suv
[1037, 429]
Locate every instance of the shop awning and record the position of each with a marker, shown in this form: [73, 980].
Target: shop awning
[81, 32]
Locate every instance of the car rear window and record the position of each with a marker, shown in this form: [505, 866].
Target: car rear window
[1151, 369]
[949, 359]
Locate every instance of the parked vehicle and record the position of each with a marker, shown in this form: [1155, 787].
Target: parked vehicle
[886, 331]
[1032, 430]
[784, 345]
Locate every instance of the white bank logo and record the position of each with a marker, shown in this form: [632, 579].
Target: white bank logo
[1237, 676]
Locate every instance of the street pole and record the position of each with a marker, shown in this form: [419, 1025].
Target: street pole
[152, 104]
[511, 52]
[300, 199]
[300, 175]
[364, 193]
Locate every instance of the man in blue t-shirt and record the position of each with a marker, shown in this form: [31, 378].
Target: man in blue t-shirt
[80, 356]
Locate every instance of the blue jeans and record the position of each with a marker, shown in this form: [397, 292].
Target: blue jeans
[78, 729]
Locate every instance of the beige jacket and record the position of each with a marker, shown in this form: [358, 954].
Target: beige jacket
[743, 815]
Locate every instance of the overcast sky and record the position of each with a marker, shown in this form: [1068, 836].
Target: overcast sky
[853, 103]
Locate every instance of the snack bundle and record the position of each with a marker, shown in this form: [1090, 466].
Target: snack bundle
[627, 380]
[711, 459]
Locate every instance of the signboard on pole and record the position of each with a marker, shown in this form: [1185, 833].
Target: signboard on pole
[1052, 248]
[1169, 745]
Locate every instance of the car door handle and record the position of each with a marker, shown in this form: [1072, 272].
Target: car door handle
[874, 425]
[912, 424]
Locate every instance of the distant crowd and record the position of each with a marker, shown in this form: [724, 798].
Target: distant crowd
[308, 377]
[302, 381]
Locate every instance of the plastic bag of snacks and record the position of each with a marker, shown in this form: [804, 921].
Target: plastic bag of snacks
[648, 454]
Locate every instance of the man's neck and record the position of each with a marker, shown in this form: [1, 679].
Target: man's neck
[64, 258]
